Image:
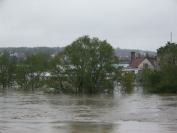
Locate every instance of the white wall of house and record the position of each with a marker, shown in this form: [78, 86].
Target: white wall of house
[144, 63]
[134, 70]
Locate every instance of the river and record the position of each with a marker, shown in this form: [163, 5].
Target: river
[43, 113]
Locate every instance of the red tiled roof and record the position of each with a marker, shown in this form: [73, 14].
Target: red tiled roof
[136, 62]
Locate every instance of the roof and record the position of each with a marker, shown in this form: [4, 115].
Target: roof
[136, 62]
[152, 60]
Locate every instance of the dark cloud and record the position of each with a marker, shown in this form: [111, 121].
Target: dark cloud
[142, 24]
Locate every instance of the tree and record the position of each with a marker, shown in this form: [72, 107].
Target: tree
[29, 71]
[22, 71]
[168, 66]
[127, 79]
[88, 65]
[58, 78]
[7, 69]
[167, 55]
[163, 80]
[151, 80]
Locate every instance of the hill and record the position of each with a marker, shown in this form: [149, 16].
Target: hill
[123, 54]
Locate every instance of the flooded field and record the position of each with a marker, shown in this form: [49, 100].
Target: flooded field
[42, 113]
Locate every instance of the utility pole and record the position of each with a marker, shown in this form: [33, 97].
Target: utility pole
[171, 37]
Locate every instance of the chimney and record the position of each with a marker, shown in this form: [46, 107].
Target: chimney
[139, 55]
[147, 55]
[132, 56]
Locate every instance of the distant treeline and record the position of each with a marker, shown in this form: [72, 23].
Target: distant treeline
[23, 51]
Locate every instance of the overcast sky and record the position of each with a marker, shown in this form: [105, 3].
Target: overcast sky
[137, 24]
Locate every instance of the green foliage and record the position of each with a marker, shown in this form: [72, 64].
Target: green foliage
[58, 80]
[22, 75]
[86, 65]
[167, 55]
[29, 71]
[151, 80]
[126, 81]
[7, 69]
[163, 80]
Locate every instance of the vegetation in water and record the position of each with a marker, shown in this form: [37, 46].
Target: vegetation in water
[85, 66]
[127, 80]
[7, 69]
[163, 79]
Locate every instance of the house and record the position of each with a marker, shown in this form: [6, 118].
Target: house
[139, 62]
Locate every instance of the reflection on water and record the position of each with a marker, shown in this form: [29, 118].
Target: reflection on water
[42, 113]
[85, 127]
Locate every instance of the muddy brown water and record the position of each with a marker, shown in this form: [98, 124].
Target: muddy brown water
[131, 113]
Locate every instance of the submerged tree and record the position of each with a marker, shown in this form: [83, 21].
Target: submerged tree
[87, 65]
[163, 80]
[127, 80]
[58, 78]
[168, 66]
[7, 69]
[29, 71]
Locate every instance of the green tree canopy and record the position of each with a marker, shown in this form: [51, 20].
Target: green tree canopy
[88, 65]
[168, 55]
[163, 80]
[7, 69]
[29, 71]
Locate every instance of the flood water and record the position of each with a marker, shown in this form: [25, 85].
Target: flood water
[43, 113]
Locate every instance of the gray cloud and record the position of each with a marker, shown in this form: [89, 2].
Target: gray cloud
[141, 24]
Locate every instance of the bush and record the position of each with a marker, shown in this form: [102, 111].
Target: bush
[158, 81]
[127, 80]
